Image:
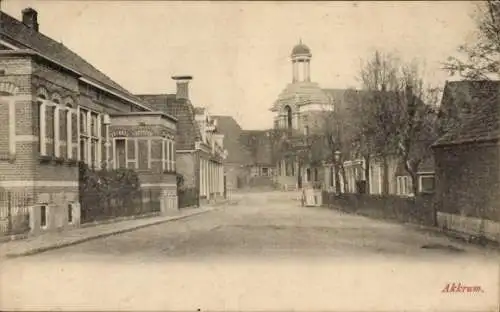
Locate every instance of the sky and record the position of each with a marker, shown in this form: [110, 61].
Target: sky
[239, 52]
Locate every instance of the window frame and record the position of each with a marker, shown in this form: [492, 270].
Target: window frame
[420, 182]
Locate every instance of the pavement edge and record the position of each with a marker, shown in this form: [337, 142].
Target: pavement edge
[103, 235]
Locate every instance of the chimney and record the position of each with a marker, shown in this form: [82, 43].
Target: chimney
[182, 86]
[30, 18]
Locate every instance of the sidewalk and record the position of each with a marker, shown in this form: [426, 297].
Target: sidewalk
[49, 241]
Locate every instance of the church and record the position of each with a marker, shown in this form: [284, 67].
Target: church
[302, 109]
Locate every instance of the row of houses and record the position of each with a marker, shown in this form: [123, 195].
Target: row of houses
[58, 111]
[462, 172]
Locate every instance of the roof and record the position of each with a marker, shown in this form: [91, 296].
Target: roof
[301, 49]
[48, 47]
[480, 119]
[237, 151]
[188, 131]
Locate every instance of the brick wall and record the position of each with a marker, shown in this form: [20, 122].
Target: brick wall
[17, 72]
[467, 180]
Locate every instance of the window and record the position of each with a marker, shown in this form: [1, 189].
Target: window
[41, 108]
[70, 213]
[289, 167]
[265, 171]
[332, 176]
[43, 215]
[83, 121]
[166, 154]
[306, 130]
[288, 112]
[172, 155]
[404, 186]
[308, 174]
[68, 130]
[90, 138]
[94, 153]
[427, 183]
[316, 175]
[83, 149]
[120, 153]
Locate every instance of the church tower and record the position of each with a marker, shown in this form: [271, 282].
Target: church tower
[301, 60]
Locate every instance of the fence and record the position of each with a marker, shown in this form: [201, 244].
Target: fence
[14, 212]
[418, 210]
[96, 208]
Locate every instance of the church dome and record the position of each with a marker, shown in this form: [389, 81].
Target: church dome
[301, 49]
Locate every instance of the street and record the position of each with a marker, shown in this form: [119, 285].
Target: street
[267, 252]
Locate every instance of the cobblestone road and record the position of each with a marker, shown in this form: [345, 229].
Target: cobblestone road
[230, 259]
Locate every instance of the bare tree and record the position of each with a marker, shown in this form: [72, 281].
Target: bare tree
[375, 111]
[418, 123]
[482, 56]
[392, 116]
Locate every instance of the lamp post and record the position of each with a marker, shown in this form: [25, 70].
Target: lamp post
[336, 156]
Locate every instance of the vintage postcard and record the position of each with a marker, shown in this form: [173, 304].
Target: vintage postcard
[249, 156]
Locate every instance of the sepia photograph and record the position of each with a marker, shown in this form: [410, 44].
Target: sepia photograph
[249, 155]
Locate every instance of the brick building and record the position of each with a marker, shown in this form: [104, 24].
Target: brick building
[467, 159]
[238, 161]
[57, 110]
[200, 150]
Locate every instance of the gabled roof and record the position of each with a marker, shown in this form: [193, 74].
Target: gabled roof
[237, 151]
[29, 38]
[480, 122]
[188, 131]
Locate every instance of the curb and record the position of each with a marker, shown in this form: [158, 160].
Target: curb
[120, 219]
[459, 236]
[102, 235]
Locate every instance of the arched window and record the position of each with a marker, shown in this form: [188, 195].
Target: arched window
[70, 129]
[42, 96]
[288, 111]
[54, 125]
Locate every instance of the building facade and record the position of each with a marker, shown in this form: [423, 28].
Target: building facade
[467, 159]
[57, 111]
[200, 152]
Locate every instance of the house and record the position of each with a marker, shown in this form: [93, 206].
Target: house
[200, 149]
[58, 110]
[425, 178]
[467, 159]
[261, 167]
[237, 165]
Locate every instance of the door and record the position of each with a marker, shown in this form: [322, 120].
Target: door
[299, 177]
